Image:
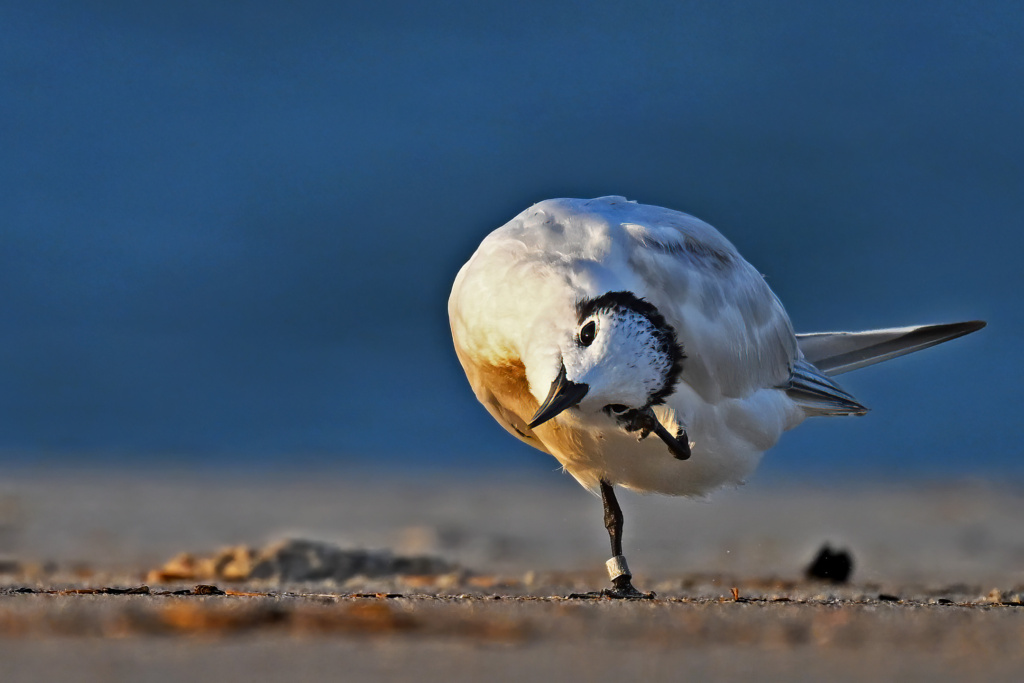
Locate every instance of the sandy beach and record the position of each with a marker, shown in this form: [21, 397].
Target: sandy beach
[935, 593]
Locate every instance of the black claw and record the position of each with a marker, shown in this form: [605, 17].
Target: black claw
[622, 589]
[630, 594]
[592, 595]
[642, 422]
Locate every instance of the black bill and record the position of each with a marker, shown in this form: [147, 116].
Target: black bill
[562, 396]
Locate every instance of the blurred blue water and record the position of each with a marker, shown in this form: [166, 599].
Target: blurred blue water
[229, 233]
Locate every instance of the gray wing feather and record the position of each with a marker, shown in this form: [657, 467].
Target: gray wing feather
[834, 353]
[819, 395]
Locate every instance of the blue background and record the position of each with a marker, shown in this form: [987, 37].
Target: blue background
[229, 229]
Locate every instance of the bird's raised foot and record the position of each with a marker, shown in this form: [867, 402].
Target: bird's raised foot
[643, 421]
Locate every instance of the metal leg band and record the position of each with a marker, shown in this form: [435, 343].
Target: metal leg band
[617, 567]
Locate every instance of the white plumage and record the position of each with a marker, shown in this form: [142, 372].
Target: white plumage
[519, 311]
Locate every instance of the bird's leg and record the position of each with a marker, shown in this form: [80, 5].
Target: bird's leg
[618, 571]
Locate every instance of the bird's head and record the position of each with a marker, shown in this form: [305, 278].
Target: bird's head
[619, 358]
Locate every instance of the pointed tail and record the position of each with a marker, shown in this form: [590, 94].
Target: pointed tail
[834, 353]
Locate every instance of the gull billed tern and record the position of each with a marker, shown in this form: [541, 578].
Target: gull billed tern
[586, 326]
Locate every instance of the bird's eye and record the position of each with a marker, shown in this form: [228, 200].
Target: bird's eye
[587, 333]
[617, 408]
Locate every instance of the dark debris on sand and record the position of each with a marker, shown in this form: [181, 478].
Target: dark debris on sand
[830, 565]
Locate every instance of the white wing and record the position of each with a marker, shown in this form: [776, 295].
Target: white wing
[735, 333]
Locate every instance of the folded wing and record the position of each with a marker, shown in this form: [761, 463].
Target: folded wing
[819, 395]
[834, 353]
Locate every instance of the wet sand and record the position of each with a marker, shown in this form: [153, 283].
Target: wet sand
[935, 592]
